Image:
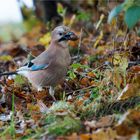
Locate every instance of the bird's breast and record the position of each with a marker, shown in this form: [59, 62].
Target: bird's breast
[63, 59]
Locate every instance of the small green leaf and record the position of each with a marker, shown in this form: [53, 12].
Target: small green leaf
[71, 74]
[78, 65]
[132, 16]
[75, 65]
[95, 93]
[84, 16]
[115, 12]
[19, 80]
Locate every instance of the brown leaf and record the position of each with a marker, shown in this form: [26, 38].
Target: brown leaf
[108, 134]
[103, 122]
[85, 81]
[101, 134]
[131, 90]
[135, 69]
[10, 82]
[33, 107]
[93, 83]
[91, 74]
[85, 136]
[129, 123]
[41, 95]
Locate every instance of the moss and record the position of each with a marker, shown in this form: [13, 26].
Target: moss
[61, 119]
[61, 105]
[64, 126]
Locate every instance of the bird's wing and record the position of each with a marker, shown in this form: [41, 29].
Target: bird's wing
[30, 66]
[39, 63]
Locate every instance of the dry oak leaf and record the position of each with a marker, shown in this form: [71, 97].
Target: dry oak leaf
[102, 122]
[33, 107]
[84, 81]
[101, 134]
[135, 69]
[131, 90]
[91, 74]
[129, 124]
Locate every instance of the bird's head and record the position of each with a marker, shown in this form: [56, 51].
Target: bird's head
[62, 33]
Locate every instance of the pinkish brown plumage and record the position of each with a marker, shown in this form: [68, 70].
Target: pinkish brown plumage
[58, 59]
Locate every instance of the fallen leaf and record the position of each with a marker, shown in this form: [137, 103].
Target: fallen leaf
[102, 122]
[45, 40]
[108, 134]
[6, 58]
[33, 107]
[101, 134]
[135, 69]
[91, 74]
[131, 90]
[129, 123]
[121, 61]
[85, 81]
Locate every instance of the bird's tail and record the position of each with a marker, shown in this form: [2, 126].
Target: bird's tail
[8, 73]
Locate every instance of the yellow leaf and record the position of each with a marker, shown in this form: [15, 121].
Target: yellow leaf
[60, 8]
[72, 20]
[113, 22]
[109, 134]
[98, 39]
[120, 33]
[116, 59]
[45, 40]
[6, 58]
[33, 107]
[121, 61]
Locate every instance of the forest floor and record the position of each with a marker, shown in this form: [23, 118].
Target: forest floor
[100, 97]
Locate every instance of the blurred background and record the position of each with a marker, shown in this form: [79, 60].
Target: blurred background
[11, 18]
[20, 16]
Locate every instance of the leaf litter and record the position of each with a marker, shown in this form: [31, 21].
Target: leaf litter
[99, 98]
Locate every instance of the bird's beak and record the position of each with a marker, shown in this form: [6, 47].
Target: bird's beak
[69, 36]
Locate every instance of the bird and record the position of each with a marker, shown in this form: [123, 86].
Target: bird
[50, 67]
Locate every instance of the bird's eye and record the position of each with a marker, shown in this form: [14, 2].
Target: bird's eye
[60, 34]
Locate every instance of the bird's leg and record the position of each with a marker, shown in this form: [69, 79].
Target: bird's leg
[51, 92]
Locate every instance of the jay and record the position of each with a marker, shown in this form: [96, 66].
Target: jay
[50, 67]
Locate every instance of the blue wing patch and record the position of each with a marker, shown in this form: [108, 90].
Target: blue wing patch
[38, 67]
[32, 67]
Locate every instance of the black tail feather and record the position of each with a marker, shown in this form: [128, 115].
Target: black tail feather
[8, 73]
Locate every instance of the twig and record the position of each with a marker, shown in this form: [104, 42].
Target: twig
[79, 90]
[79, 45]
[100, 21]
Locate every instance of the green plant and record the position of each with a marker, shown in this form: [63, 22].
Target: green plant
[83, 16]
[11, 128]
[75, 66]
[131, 10]
[62, 123]
[19, 80]
[64, 126]
[12, 124]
